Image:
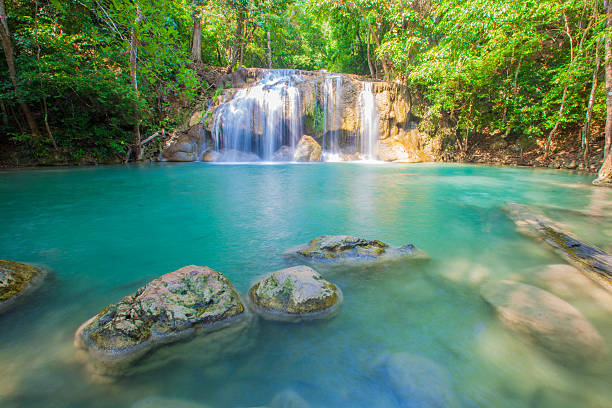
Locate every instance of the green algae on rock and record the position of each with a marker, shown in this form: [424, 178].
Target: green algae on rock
[546, 320]
[331, 249]
[172, 307]
[295, 294]
[593, 261]
[16, 280]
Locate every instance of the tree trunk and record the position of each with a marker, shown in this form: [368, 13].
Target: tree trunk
[236, 50]
[269, 50]
[10, 61]
[554, 129]
[372, 70]
[586, 129]
[608, 63]
[196, 42]
[44, 98]
[134, 80]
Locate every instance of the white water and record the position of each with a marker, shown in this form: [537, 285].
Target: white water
[268, 115]
[368, 131]
[332, 99]
[261, 118]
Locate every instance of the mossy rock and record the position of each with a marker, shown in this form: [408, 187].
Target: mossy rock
[594, 262]
[16, 280]
[330, 249]
[295, 293]
[170, 308]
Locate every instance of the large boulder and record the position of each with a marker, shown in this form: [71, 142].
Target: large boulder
[308, 150]
[172, 307]
[405, 146]
[417, 382]
[183, 150]
[546, 320]
[336, 249]
[16, 280]
[593, 261]
[295, 294]
[604, 177]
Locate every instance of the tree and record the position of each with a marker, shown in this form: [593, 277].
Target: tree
[10, 61]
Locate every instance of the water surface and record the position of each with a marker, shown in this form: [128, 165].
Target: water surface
[106, 231]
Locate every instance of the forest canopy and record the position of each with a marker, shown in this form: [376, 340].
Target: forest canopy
[87, 78]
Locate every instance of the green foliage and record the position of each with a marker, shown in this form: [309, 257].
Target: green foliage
[491, 66]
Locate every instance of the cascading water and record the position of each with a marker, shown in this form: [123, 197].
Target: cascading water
[260, 119]
[368, 130]
[332, 99]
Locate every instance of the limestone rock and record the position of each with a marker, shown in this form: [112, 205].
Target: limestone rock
[593, 261]
[16, 280]
[408, 147]
[295, 293]
[418, 382]
[284, 154]
[195, 118]
[182, 150]
[546, 320]
[604, 177]
[210, 156]
[308, 150]
[172, 307]
[332, 249]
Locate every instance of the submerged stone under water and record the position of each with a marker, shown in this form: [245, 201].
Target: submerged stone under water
[105, 232]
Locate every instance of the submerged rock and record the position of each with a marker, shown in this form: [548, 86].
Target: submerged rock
[308, 150]
[593, 261]
[288, 399]
[417, 382]
[16, 280]
[295, 294]
[604, 177]
[163, 402]
[172, 307]
[546, 320]
[332, 249]
[570, 283]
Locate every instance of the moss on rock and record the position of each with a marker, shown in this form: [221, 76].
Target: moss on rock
[299, 291]
[16, 279]
[169, 308]
[347, 248]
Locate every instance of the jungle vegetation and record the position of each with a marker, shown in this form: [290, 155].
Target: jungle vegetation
[94, 78]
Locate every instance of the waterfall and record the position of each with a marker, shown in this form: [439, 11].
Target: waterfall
[261, 118]
[368, 130]
[332, 100]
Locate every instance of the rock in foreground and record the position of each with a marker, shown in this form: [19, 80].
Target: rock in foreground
[593, 261]
[172, 307]
[295, 294]
[16, 280]
[417, 382]
[336, 249]
[546, 320]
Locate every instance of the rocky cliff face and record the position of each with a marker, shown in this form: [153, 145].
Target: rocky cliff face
[259, 111]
